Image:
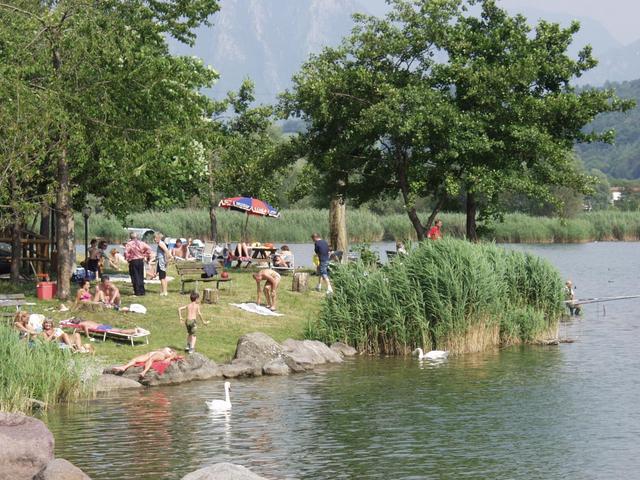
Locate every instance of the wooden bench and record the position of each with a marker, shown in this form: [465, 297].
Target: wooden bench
[11, 300]
[192, 272]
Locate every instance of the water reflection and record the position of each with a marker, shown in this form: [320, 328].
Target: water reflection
[565, 411]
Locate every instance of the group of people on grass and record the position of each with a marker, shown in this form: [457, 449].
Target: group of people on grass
[48, 332]
[105, 293]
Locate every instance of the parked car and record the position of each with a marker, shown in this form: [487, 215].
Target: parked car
[5, 258]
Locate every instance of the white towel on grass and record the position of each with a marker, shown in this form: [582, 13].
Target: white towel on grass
[255, 308]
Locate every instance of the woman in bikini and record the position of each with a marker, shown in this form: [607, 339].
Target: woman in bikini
[83, 294]
[148, 359]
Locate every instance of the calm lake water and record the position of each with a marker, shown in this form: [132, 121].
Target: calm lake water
[565, 412]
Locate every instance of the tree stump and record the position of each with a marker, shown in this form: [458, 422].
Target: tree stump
[210, 295]
[300, 281]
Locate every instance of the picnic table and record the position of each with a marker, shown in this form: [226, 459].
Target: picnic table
[262, 253]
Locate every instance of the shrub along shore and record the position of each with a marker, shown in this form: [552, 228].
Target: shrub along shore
[448, 295]
[364, 226]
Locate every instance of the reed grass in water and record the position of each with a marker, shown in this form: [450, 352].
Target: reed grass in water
[448, 294]
[40, 371]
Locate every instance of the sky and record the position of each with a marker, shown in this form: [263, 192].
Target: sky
[619, 17]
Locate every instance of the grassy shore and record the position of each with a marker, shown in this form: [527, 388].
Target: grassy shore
[364, 226]
[216, 340]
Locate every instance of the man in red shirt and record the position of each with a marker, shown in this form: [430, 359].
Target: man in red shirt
[136, 252]
[434, 232]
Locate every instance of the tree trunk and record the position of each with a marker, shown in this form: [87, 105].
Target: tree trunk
[212, 201]
[64, 228]
[338, 225]
[472, 211]
[403, 183]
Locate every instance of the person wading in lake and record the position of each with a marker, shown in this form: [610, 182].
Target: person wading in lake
[322, 251]
[136, 252]
[434, 232]
[570, 299]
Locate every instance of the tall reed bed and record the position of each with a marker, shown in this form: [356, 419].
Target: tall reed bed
[40, 372]
[364, 226]
[447, 294]
[292, 226]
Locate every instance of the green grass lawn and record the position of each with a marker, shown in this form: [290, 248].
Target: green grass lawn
[216, 340]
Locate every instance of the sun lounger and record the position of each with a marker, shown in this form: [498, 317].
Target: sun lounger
[116, 333]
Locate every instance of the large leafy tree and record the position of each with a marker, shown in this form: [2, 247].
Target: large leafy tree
[123, 108]
[435, 100]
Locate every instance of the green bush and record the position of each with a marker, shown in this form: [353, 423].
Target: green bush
[39, 371]
[448, 294]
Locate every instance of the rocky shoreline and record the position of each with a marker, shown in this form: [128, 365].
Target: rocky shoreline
[27, 445]
[256, 354]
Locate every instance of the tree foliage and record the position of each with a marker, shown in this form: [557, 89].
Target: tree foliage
[441, 98]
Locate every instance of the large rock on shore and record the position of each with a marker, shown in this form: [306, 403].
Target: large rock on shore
[343, 349]
[223, 471]
[310, 353]
[192, 367]
[108, 382]
[60, 469]
[253, 352]
[26, 446]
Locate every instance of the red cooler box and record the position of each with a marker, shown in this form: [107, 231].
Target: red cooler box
[46, 290]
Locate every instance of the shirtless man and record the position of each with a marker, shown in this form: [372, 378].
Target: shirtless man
[107, 293]
[165, 353]
[272, 280]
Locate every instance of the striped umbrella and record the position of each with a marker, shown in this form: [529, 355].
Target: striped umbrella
[250, 206]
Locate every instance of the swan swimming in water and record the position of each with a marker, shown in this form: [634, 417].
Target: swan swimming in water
[432, 355]
[221, 405]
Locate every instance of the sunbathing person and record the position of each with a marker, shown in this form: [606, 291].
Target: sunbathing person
[21, 323]
[107, 293]
[116, 259]
[88, 325]
[181, 250]
[272, 280]
[283, 258]
[148, 359]
[83, 294]
[50, 333]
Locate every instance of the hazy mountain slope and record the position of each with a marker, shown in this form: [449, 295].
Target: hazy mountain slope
[268, 40]
[621, 160]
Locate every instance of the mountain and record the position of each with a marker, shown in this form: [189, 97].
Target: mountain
[268, 40]
[622, 159]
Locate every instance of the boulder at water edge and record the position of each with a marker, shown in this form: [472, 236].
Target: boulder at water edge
[108, 383]
[309, 353]
[343, 349]
[26, 446]
[223, 471]
[192, 367]
[60, 469]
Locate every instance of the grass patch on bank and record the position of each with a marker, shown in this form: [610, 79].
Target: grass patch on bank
[216, 340]
[449, 294]
[38, 371]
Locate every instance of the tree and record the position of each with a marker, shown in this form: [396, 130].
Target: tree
[122, 104]
[436, 101]
[243, 150]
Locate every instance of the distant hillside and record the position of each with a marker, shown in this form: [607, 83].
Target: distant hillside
[621, 160]
[268, 40]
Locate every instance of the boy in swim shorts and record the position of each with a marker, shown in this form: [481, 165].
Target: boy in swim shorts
[193, 312]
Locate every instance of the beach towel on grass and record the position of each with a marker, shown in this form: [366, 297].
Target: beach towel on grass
[255, 308]
[160, 365]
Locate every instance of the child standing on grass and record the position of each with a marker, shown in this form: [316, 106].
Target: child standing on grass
[193, 312]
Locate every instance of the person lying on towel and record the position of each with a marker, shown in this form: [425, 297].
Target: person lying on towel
[148, 359]
[88, 325]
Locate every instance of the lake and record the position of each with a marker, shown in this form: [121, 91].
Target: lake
[568, 411]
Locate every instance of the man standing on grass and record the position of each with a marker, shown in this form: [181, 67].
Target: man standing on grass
[322, 251]
[136, 252]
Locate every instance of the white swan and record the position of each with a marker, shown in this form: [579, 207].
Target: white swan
[432, 355]
[221, 405]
